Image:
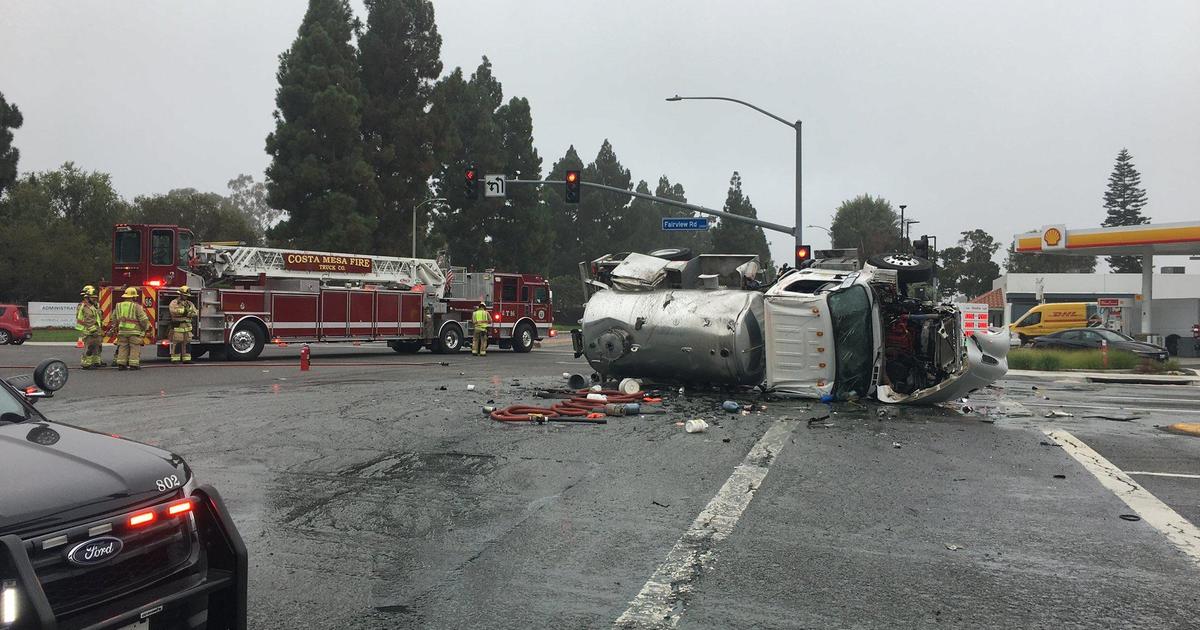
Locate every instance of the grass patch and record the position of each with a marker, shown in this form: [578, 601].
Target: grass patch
[55, 334]
[1058, 360]
[565, 327]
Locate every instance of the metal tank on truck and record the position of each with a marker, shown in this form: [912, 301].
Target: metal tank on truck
[704, 328]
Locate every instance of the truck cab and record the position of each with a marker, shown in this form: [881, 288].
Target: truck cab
[150, 255]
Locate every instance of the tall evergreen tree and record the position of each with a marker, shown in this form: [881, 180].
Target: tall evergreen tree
[318, 172]
[469, 133]
[399, 56]
[521, 228]
[1124, 200]
[736, 237]
[600, 218]
[967, 268]
[642, 223]
[10, 118]
[565, 255]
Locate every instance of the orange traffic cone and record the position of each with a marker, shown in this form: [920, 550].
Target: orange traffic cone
[79, 343]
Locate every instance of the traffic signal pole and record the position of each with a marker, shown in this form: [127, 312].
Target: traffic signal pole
[766, 225]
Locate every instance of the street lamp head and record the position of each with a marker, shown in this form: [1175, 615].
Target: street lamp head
[675, 98]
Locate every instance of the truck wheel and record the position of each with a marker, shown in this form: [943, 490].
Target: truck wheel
[908, 268]
[450, 341]
[5, 337]
[245, 344]
[522, 340]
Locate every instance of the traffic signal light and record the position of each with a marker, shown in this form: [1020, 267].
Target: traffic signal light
[803, 255]
[471, 183]
[572, 179]
[921, 247]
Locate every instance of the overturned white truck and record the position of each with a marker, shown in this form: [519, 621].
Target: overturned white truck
[837, 328]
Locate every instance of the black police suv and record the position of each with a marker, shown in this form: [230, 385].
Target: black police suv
[103, 533]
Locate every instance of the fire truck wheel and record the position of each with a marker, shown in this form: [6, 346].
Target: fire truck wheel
[523, 338]
[246, 343]
[406, 347]
[450, 341]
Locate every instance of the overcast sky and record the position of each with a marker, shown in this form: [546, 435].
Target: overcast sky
[1000, 115]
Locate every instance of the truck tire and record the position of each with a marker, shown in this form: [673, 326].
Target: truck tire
[245, 343]
[523, 336]
[450, 340]
[908, 268]
[672, 253]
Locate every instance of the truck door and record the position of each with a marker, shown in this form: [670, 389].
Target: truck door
[162, 257]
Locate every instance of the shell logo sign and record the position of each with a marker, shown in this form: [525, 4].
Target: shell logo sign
[1053, 237]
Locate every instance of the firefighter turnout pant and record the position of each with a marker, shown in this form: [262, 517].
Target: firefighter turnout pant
[479, 343]
[129, 350]
[181, 349]
[91, 351]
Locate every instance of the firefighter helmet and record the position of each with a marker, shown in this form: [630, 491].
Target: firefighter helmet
[482, 304]
[130, 293]
[88, 291]
[185, 291]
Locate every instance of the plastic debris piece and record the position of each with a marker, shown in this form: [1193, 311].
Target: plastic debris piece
[596, 388]
[1130, 517]
[731, 406]
[953, 547]
[695, 426]
[629, 386]
[470, 387]
[895, 445]
[488, 409]
[597, 397]
[1056, 413]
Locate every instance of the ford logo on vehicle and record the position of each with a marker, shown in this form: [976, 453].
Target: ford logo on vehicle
[95, 551]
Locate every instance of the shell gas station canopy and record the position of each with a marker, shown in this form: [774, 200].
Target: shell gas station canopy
[1131, 240]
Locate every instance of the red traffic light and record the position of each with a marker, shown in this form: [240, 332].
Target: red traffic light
[803, 254]
[572, 176]
[470, 175]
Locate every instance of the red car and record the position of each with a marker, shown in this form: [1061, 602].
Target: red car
[14, 325]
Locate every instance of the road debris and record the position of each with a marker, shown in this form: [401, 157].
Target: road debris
[895, 445]
[731, 406]
[1058, 413]
[629, 386]
[953, 547]
[1185, 428]
[1060, 476]
[470, 387]
[1119, 417]
[695, 426]
[1130, 517]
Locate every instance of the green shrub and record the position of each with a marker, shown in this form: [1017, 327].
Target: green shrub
[1057, 360]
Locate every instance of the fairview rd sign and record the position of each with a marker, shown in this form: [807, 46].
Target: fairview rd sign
[685, 224]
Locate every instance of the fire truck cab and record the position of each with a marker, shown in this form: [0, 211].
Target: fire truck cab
[251, 296]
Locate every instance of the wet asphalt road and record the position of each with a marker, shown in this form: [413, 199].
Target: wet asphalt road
[370, 498]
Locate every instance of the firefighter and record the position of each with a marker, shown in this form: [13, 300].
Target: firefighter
[132, 325]
[479, 342]
[182, 314]
[88, 322]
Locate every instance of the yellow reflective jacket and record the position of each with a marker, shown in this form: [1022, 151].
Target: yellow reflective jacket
[87, 319]
[481, 319]
[131, 318]
[182, 313]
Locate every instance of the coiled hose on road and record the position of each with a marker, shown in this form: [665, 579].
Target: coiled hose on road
[575, 408]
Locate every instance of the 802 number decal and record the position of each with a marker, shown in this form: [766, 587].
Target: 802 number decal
[167, 483]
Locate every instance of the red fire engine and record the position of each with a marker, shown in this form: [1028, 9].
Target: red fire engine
[251, 296]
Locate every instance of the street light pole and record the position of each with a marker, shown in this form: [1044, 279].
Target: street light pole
[799, 233]
[414, 230]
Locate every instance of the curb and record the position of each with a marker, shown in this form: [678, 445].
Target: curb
[1098, 377]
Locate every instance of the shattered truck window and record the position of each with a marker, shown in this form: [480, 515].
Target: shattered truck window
[850, 311]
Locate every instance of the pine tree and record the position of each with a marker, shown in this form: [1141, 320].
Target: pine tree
[1124, 200]
[399, 57]
[868, 223]
[521, 227]
[736, 237]
[10, 118]
[318, 172]
[464, 115]
[642, 223]
[600, 218]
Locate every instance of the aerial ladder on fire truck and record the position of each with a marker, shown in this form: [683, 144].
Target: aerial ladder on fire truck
[216, 262]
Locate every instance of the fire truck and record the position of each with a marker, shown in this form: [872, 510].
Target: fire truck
[251, 296]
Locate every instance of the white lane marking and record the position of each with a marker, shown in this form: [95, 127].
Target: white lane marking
[1159, 474]
[1154, 512]
[661, 601]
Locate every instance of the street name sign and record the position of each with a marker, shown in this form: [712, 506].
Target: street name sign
[685, 224]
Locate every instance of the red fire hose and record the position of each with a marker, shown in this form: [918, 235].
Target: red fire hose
[576, 408]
